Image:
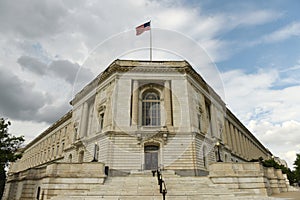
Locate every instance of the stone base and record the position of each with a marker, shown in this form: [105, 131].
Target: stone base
[52, 180]
[70, 181]
[248, 177]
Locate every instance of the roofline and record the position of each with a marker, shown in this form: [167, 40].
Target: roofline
[229, 113]
[124, 66]
[64, 118]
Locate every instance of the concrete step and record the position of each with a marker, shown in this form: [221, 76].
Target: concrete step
[149, 173]
[145, 186]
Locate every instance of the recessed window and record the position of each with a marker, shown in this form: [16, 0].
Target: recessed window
[81, 156]
[204, 156]
[199, 121]
[101, 120]
[151, 109]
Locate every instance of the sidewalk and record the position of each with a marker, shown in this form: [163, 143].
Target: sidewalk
[288, 195]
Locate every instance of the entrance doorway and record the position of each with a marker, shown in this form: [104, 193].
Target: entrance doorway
[151, 157]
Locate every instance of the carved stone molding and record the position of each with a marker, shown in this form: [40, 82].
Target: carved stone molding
[145, 136]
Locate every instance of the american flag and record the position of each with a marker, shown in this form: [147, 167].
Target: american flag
[142, 28]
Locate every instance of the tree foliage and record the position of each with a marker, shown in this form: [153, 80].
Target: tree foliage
[9, 146]
[297, 167]
[272, 163]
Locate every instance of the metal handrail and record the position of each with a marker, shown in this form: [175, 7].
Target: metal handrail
[161, 183]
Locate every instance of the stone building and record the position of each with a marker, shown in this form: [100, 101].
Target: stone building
[133, 117]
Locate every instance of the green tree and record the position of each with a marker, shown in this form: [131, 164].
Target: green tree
[297, 167]
[9, 145]
[272, 163]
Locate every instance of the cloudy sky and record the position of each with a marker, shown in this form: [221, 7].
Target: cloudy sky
[49, 49]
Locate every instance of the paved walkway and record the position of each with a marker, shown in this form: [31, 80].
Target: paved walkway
[288, 195]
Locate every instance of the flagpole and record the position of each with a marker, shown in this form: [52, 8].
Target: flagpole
[141, 29]
[150, 42]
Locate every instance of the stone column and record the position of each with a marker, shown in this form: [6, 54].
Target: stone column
[239, 141]
[168, 106]
[234, 145]
[229, 140]
[244, 146]
[249, 148]
[84, 120]
[225, 130]
[224, 135]
[135, 103]
[253, 150]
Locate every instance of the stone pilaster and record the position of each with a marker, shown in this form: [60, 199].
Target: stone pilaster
[135, 103]
[248, 149]
[84, 120]
[238, 142]
[242, 144]
[168, 105]
[227, 131]
[234, 143]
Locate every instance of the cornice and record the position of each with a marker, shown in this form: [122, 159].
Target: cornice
[56, 124]
[231, 117]
[123, 66]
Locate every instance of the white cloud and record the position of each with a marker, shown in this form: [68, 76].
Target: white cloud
[256, 17]
[28, 129]
[284, 33]
[281, 138]
[31, 18]
[288, 31]
[51, 33]
[269, 113]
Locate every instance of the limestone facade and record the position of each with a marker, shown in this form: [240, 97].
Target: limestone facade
[141, 115]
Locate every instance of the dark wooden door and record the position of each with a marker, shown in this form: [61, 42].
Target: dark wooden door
[151, 160]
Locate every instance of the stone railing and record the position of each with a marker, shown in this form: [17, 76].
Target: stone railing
[251, 178]
[76, 170]
[53, 180]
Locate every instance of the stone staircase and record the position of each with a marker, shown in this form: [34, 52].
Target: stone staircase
[142, 185]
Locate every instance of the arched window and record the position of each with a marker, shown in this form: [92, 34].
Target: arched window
[151, 109]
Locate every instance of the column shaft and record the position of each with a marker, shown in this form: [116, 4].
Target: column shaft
[135, 103]
[227, 134]
[84, 120]
[238, 141]
[168, 105]
[234, 142]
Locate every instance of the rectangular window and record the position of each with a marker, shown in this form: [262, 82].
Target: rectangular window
[151, 109]
[151, 113]
[62, 146]
[208, 115]
[52, 153]
[199, 121]
[57, 150]
[101, 120]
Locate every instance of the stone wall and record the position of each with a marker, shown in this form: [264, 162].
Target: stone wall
[54, 179]
[250, 178]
